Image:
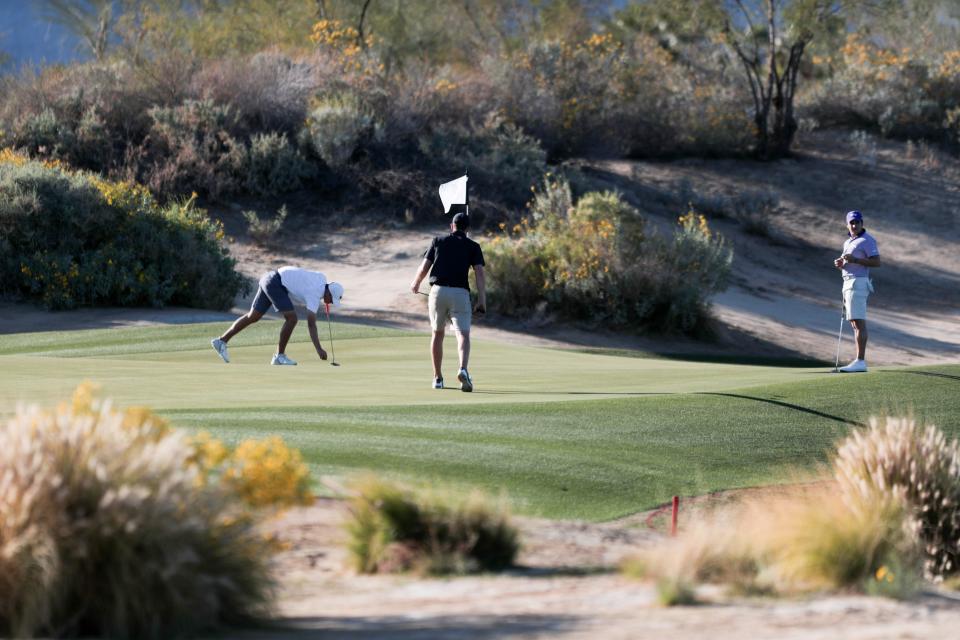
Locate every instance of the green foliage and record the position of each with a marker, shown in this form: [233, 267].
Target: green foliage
[500, 157]
[896, 91]
[917, 465]
[109, 530]
[394, 529]
[337, 126]
[263, 231]
[675, 592]
[596, 261]
[198, 149]
[275, 166]
[73, 239]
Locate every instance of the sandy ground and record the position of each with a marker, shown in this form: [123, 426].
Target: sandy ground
[784, 301]
[566, 585]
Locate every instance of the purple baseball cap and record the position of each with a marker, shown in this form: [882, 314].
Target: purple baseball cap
[854, 215]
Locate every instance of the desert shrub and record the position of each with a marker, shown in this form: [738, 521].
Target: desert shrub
[197, 149]
[43, 133]
[337, 126]
[274, 166]
[754, 210]
[888, 89]
[917, 465]
[751, 208]
[596, 261]
[264, 231]
[807, 540]
[834, 543]
[501, 158]
[269, 90]
[394, 529]
[109, 530]
[71, 238]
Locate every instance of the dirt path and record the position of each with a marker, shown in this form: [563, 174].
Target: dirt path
[566, 586]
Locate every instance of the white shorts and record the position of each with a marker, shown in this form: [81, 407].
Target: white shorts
[449, 303]
[855, 294]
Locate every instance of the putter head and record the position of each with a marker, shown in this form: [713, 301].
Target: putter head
[334, 364]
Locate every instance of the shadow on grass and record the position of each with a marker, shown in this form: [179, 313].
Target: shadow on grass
[719, 358]
[568, 393]
[786, 405]
[927, 373]
[474, 625]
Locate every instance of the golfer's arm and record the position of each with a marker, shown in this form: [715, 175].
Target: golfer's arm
[421, 274]
[481, 284]
[312, 328]
[873, 262]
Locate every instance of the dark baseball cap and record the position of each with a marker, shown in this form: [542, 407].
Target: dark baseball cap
[461, 221]
[854, 215]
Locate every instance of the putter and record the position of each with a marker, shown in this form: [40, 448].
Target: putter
[333, 354]
[843, 317]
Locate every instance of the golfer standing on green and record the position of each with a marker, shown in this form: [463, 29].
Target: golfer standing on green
[448, 261]
[860, 253]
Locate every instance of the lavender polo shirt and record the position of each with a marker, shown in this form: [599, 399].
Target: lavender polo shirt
[861, 246]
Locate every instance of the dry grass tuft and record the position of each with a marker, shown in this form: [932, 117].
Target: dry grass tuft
[107, 528]
[394, 529]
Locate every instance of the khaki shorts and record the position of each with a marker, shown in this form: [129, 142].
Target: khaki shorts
[855, 294]
[449, 303]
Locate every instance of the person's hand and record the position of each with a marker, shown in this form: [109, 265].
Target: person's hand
[415, 287]
[322, 354]
[838, 263]
[480, 309]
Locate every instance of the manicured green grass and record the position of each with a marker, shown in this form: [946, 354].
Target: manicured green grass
[564, 434]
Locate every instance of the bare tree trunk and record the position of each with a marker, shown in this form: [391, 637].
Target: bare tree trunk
[363, 15]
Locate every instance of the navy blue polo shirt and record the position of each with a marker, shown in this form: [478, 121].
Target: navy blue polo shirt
[452, 256]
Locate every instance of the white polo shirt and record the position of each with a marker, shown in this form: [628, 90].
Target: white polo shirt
[305, 287]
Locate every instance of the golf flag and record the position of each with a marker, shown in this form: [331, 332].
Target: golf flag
[453, 192]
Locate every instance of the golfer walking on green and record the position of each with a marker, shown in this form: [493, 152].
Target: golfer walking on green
[860, 253]
[448, 261]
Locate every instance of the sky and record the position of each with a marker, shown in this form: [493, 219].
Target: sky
[30, 40]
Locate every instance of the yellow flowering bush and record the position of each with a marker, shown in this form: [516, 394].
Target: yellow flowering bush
[268, 472]
[73, 238]
[902, 92]
[595, 260]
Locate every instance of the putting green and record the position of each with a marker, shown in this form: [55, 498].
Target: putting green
[373, 370]
[562, 433]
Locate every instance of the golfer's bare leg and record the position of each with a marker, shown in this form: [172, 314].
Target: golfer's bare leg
[463, 347]
[289, 322]
[436, 352]
[860, 333]
[241, 323]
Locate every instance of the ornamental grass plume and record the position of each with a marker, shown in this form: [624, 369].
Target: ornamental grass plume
[917, 464]
[108, 529]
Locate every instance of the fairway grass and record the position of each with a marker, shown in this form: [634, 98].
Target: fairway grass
[564, 434]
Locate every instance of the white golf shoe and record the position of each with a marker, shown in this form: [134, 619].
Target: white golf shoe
[438, 383]
[466, 384]
[857, 366]
[281, 358]
[221, 348]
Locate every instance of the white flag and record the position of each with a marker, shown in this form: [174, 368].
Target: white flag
[453, 192]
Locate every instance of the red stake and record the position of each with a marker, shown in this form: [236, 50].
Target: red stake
[673, 518]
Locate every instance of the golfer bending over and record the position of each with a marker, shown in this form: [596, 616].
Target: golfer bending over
[860, 252]
[451, 258]
[281, 289]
